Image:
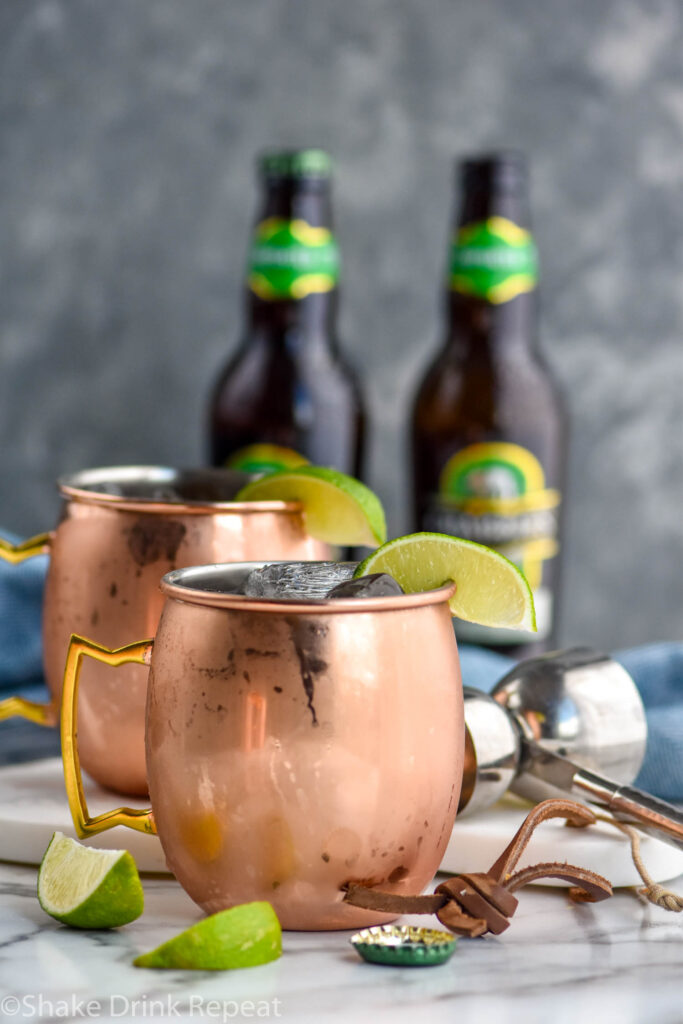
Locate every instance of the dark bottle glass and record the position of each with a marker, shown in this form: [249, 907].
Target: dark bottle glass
[488, 424]
[287, 387]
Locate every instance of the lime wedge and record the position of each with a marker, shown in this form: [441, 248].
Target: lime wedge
[244, 936]
[265, 458]
[489, 589]
[337, 508]
[88, 888]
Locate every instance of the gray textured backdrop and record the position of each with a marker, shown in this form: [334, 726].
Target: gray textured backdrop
[127, 135]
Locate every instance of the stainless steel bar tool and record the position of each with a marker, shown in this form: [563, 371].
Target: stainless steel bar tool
[552, 726]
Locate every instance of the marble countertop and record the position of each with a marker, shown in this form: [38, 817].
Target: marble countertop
[619, 961]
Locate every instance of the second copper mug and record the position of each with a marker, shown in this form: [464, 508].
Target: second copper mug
[120, 530]
[292, 746]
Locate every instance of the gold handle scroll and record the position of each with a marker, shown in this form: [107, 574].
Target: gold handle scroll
[17, 707]
[139, 653]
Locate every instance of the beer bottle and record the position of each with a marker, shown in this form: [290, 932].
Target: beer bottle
[488, 426]
[287, 390]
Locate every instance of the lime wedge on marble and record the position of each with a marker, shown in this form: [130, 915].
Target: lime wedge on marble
[489, 589]
[89, 888]
[244, 936]
[337, 508]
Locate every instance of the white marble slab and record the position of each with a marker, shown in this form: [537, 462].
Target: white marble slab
[619, 962]
[33, 805]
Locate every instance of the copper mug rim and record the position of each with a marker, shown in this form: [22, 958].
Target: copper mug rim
[83, 487]
[197, 584]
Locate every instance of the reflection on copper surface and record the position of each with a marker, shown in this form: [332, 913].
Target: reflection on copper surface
[255, 722]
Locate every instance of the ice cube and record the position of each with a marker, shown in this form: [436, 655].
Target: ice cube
[292, 581]
[106, 487]
[164, 494]
[376, 584]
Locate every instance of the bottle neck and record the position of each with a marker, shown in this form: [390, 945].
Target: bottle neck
[491, 298]
[475, 325]
[312, 318]
[293, 262]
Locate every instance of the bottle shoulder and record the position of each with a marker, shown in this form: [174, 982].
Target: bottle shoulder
[261, 364]
[521, 363]
[485, 392]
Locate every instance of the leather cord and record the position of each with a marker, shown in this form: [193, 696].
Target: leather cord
[473, 904]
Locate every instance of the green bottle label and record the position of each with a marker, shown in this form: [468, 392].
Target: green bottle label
[493, 259]
[265, 458]
[290, 259]
[495, 493]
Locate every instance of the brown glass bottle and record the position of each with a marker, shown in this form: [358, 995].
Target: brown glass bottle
[287, 386]
[488, 423]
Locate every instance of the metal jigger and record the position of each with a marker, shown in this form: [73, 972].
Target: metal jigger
[551, 727]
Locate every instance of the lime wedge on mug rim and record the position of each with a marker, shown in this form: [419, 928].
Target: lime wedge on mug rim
[489, 589]
[89, 888]
[337, 508]
[243, 936]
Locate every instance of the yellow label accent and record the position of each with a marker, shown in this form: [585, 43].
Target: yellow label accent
[308, 284]
[504, 451]
[301, 230]
[545, 499]
[506, 229]
[516, 284]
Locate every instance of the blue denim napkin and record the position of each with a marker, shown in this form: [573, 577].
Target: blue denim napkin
[656, 668]
[21, 596]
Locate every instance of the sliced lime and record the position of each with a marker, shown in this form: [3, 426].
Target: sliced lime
[338, 509]
[489, 589]
[88, 888]
[244, 936]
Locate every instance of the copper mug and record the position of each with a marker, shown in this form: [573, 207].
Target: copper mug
[120, 530]
[292, 747]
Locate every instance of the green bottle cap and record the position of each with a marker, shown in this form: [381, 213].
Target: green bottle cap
[404, 945]
[301, 163]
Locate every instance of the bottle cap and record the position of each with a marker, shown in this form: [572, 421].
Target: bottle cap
[302, 163]
[505, 171]
[404, 945]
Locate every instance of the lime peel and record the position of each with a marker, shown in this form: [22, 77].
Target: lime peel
[243, 936]
[489, 589]
[337, 509]
[89, 888]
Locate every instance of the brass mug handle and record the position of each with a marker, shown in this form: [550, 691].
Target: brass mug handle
[139, 653]
[17, 707]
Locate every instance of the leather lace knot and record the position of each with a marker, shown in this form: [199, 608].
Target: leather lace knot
[473, 904]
